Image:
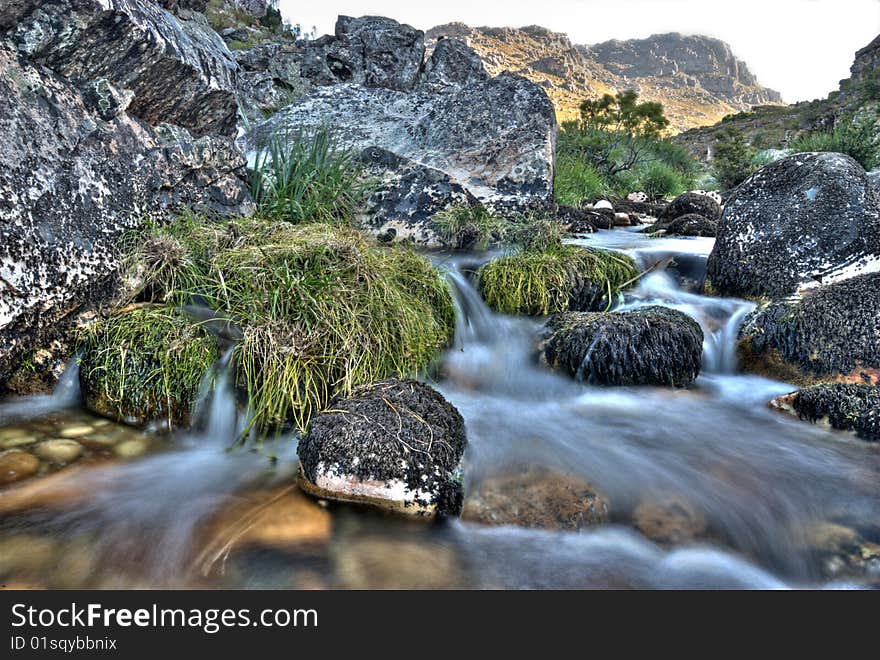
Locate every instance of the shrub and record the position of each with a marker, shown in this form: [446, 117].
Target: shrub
[468, 227]
[145, 364]
[733, 160]
[577, 180]
[659, 180]
[856, 139]
[306, 177]
[541, 282]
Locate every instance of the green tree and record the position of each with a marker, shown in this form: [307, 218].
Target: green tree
[733, 160]
[616, 132]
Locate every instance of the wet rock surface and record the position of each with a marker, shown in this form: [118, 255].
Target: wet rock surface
[690, 224]
[829, 334]
[535, 498]
[690, 203]
[802, 220]
[396, 444]
[669, 519]
[844, 406]
[647, 346]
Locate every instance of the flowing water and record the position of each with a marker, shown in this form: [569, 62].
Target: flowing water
[197, 512]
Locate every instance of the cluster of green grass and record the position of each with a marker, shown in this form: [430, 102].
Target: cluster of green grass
[307, 177]
[145, 363]
[469, 227]
[544, 276]
[856, 139]
[322, 309]
[651, 164]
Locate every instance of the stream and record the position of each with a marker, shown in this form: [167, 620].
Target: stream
[190, 511]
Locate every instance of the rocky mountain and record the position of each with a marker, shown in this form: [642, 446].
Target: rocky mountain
[767, 126]
[698, 79]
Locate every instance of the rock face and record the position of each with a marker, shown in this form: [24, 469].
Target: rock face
[829, 334]
[845, 406]
[370, 51]
[269, 78]
[803, 220]
[179, 71]
[645, 346]
[493, 140]
[697, 79]
[452, 63]
[78, 173]
[396, 444]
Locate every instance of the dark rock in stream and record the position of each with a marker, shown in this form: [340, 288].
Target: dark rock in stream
[646, 346]
[690, 203]
[396, 444]
[844, 406]
[687, 225]
[806, 219]
[831, 334]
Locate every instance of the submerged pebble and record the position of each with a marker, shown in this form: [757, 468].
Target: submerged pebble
[131, 448]
[59, 451]
[76, 431]
[16, 465]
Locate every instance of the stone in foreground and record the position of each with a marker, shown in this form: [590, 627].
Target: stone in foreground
[647, 346]
[802, 221]
[396, 445]
[831, 334]
[844, 406]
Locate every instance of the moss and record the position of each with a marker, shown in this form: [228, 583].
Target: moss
[555, 279]
[145, 364]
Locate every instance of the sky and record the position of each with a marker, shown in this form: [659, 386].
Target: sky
[801, 48]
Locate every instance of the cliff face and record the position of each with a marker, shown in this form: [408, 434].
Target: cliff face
[698, 79]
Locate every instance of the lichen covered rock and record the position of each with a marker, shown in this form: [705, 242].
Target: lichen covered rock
[646, 346]
[145, 365]
[452, 63]
[803, 220]
[845, 406]
[689, 225]
[396, 444]
[73, 182]
[832, 333]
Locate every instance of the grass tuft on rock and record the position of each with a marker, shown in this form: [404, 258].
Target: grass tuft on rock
[307, 177]
[144, 364]
[554, 278]
[469, 227]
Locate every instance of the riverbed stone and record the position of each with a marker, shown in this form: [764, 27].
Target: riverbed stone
[669, 519]
[59, 451]
[131, 448]
[535, 498]
[802, 221]
[843, 406]
[829, 334]
[691, 203]
[396, 444]
[16, 465]
[690, 224]
[645, 346]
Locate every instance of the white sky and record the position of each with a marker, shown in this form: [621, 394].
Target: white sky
[801, 48]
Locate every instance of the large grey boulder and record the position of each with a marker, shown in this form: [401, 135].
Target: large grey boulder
[77, 174]
[452, 63]
[269, 78]
[370, 50]
[493, 139]
[803, 220]
[179, 71]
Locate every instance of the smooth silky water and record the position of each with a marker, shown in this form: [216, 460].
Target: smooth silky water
[760, 477]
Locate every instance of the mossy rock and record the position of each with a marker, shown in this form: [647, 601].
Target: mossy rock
[646, 346]
[144, 365]
[688, 225]
[557, 279]
[846, 406]
[691, 203]
[831, 334]
[396, 444]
